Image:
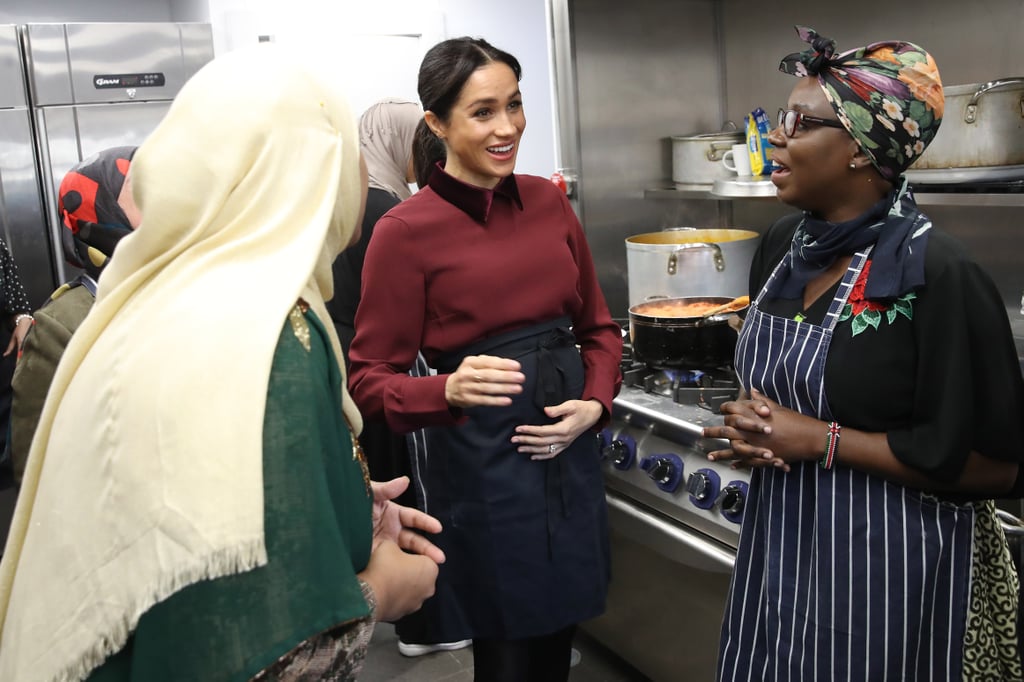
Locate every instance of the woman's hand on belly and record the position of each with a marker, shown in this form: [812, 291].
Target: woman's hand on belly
[574, 418]
[484, 380]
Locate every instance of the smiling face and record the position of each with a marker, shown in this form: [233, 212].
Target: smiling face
[484, 127]
[814, 171]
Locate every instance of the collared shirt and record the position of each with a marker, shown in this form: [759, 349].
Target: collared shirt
[455, 264]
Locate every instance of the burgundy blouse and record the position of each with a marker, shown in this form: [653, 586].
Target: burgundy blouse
[455, 264]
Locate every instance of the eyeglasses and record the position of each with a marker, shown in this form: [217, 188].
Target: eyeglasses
[789, 120]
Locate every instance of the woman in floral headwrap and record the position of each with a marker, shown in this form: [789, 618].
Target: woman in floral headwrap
[884, 404]
[96, 205]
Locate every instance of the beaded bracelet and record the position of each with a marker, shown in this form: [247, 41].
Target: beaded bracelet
[18, 318]
[831, 446]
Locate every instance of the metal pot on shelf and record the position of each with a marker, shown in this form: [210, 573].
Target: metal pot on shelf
[688, 261]
[661, 339]
[697, 159]
[981, 137]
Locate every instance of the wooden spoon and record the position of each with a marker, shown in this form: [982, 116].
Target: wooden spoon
[735, 304]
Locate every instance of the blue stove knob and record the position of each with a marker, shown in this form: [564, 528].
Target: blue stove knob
[732, 500]
[703, 488]
[621, 452]
[666, 470]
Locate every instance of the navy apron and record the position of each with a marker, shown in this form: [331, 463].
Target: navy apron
[839, 575]
[526, 541]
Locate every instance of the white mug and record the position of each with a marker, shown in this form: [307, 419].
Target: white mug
[737, 159]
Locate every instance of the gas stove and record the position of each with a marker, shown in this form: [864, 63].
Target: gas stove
[706, 388]
[654, 455]
[674, 519]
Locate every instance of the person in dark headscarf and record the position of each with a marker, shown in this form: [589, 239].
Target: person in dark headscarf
[95, 203]
[96, 206]
[882, 405]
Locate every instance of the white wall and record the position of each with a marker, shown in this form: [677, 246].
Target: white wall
[519, 28]
[377, 47]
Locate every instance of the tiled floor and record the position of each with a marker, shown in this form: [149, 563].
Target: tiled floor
[385, 664]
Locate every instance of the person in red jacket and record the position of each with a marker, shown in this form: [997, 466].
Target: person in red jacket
[488, 273]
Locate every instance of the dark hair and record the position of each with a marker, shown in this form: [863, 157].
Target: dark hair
[448, 65]
[427, 150]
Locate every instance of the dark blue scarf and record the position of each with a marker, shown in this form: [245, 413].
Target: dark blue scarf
[894, 225]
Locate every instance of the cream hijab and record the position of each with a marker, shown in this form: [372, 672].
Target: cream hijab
[386, 131]
[145, 474]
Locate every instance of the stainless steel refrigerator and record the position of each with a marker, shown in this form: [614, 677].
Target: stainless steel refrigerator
[22, 218]
[98, 85]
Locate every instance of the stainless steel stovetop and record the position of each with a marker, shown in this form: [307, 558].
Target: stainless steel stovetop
[655, 456]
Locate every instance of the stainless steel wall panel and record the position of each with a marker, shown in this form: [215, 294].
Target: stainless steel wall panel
[49, 75]
[21, 212]
[12, 80]
[22, 220]
[644, 71]
[197, 46]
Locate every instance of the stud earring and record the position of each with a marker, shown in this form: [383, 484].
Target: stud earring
[853, 166]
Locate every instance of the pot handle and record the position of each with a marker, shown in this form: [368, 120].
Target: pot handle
[673, 260]
[716, 150]
[971, 111]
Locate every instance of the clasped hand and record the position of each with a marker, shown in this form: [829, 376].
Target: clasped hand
[761, 433]
[401, 580]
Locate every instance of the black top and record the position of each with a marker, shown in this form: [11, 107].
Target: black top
[941, 381]
[15, 300]
[348, 269]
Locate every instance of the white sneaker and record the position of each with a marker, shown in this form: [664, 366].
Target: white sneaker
[423, 649]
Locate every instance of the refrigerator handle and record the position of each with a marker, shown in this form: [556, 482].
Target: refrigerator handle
[49, 197]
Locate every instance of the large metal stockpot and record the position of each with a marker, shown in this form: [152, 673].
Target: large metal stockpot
[983, 126]
[689, 261]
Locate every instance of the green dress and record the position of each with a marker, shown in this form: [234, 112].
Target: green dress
[318, 533]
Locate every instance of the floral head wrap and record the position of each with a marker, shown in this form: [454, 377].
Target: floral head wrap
[887, 95]
[88, 207]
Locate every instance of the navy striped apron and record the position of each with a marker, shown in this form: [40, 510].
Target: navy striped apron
[839, 575]
[526, 541]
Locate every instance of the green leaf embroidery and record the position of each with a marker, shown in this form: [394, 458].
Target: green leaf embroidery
[872, 318]
[903, 306]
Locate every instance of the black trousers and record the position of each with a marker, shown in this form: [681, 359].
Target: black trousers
[534, 659]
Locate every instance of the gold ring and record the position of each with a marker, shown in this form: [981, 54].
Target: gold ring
[477, 378]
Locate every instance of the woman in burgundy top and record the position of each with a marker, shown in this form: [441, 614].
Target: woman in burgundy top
[489, 274]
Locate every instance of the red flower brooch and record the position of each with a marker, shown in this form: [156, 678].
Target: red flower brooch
[867, 313]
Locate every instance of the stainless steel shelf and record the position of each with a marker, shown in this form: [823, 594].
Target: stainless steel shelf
[994, 199]
[923, 197]
[697, 192]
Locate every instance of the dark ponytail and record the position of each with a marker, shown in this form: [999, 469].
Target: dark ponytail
[427, 150]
